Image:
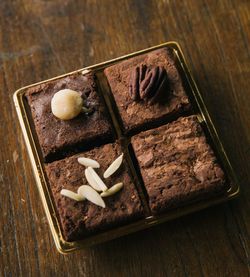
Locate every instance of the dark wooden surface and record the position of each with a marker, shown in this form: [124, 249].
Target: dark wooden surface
[41, 39]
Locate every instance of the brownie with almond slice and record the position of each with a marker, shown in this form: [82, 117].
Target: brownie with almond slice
[81, 219]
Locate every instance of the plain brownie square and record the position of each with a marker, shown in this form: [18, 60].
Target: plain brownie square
[81, 219]
[57, 137]
[147, 89]
[177, 164]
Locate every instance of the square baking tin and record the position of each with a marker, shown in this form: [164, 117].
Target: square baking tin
[37, 162]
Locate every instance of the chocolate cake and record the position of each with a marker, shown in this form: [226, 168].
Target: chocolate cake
[80, 219]
[147, 90]
[58, 138]
[177, 164]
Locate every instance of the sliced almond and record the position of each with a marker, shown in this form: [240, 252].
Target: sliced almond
[72, 195]
[97, 179]
[91, 180]
[90, 194]
[88, 162]
[114, 189]
[113, 167]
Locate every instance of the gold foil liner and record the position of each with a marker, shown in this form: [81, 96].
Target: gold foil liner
[42, 184]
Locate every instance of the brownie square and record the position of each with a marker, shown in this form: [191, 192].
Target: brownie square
[57, 137]
[142, 115]
[80, 219]
[177, 164]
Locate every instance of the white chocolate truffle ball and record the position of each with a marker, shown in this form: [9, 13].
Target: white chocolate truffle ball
[66, 104]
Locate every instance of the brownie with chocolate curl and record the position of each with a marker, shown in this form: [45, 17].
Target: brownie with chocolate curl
[148, 90]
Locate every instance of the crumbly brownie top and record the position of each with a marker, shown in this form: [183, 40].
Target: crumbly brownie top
[138, 113]
[57, 135]
[79, 219]
[177, 164]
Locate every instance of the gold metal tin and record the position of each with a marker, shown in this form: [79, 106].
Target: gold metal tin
[37, 161]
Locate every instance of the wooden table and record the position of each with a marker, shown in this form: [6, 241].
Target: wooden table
[40, 39]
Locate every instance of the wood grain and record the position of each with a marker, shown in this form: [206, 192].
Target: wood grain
[40, 39]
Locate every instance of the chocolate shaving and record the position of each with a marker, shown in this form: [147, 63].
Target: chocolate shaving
[162, 85]
[142, 71]
[147, 83]
[134, 84]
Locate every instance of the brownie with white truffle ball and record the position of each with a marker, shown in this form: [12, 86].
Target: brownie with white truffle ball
[177, 164]
[84, 218]
[59, 137]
